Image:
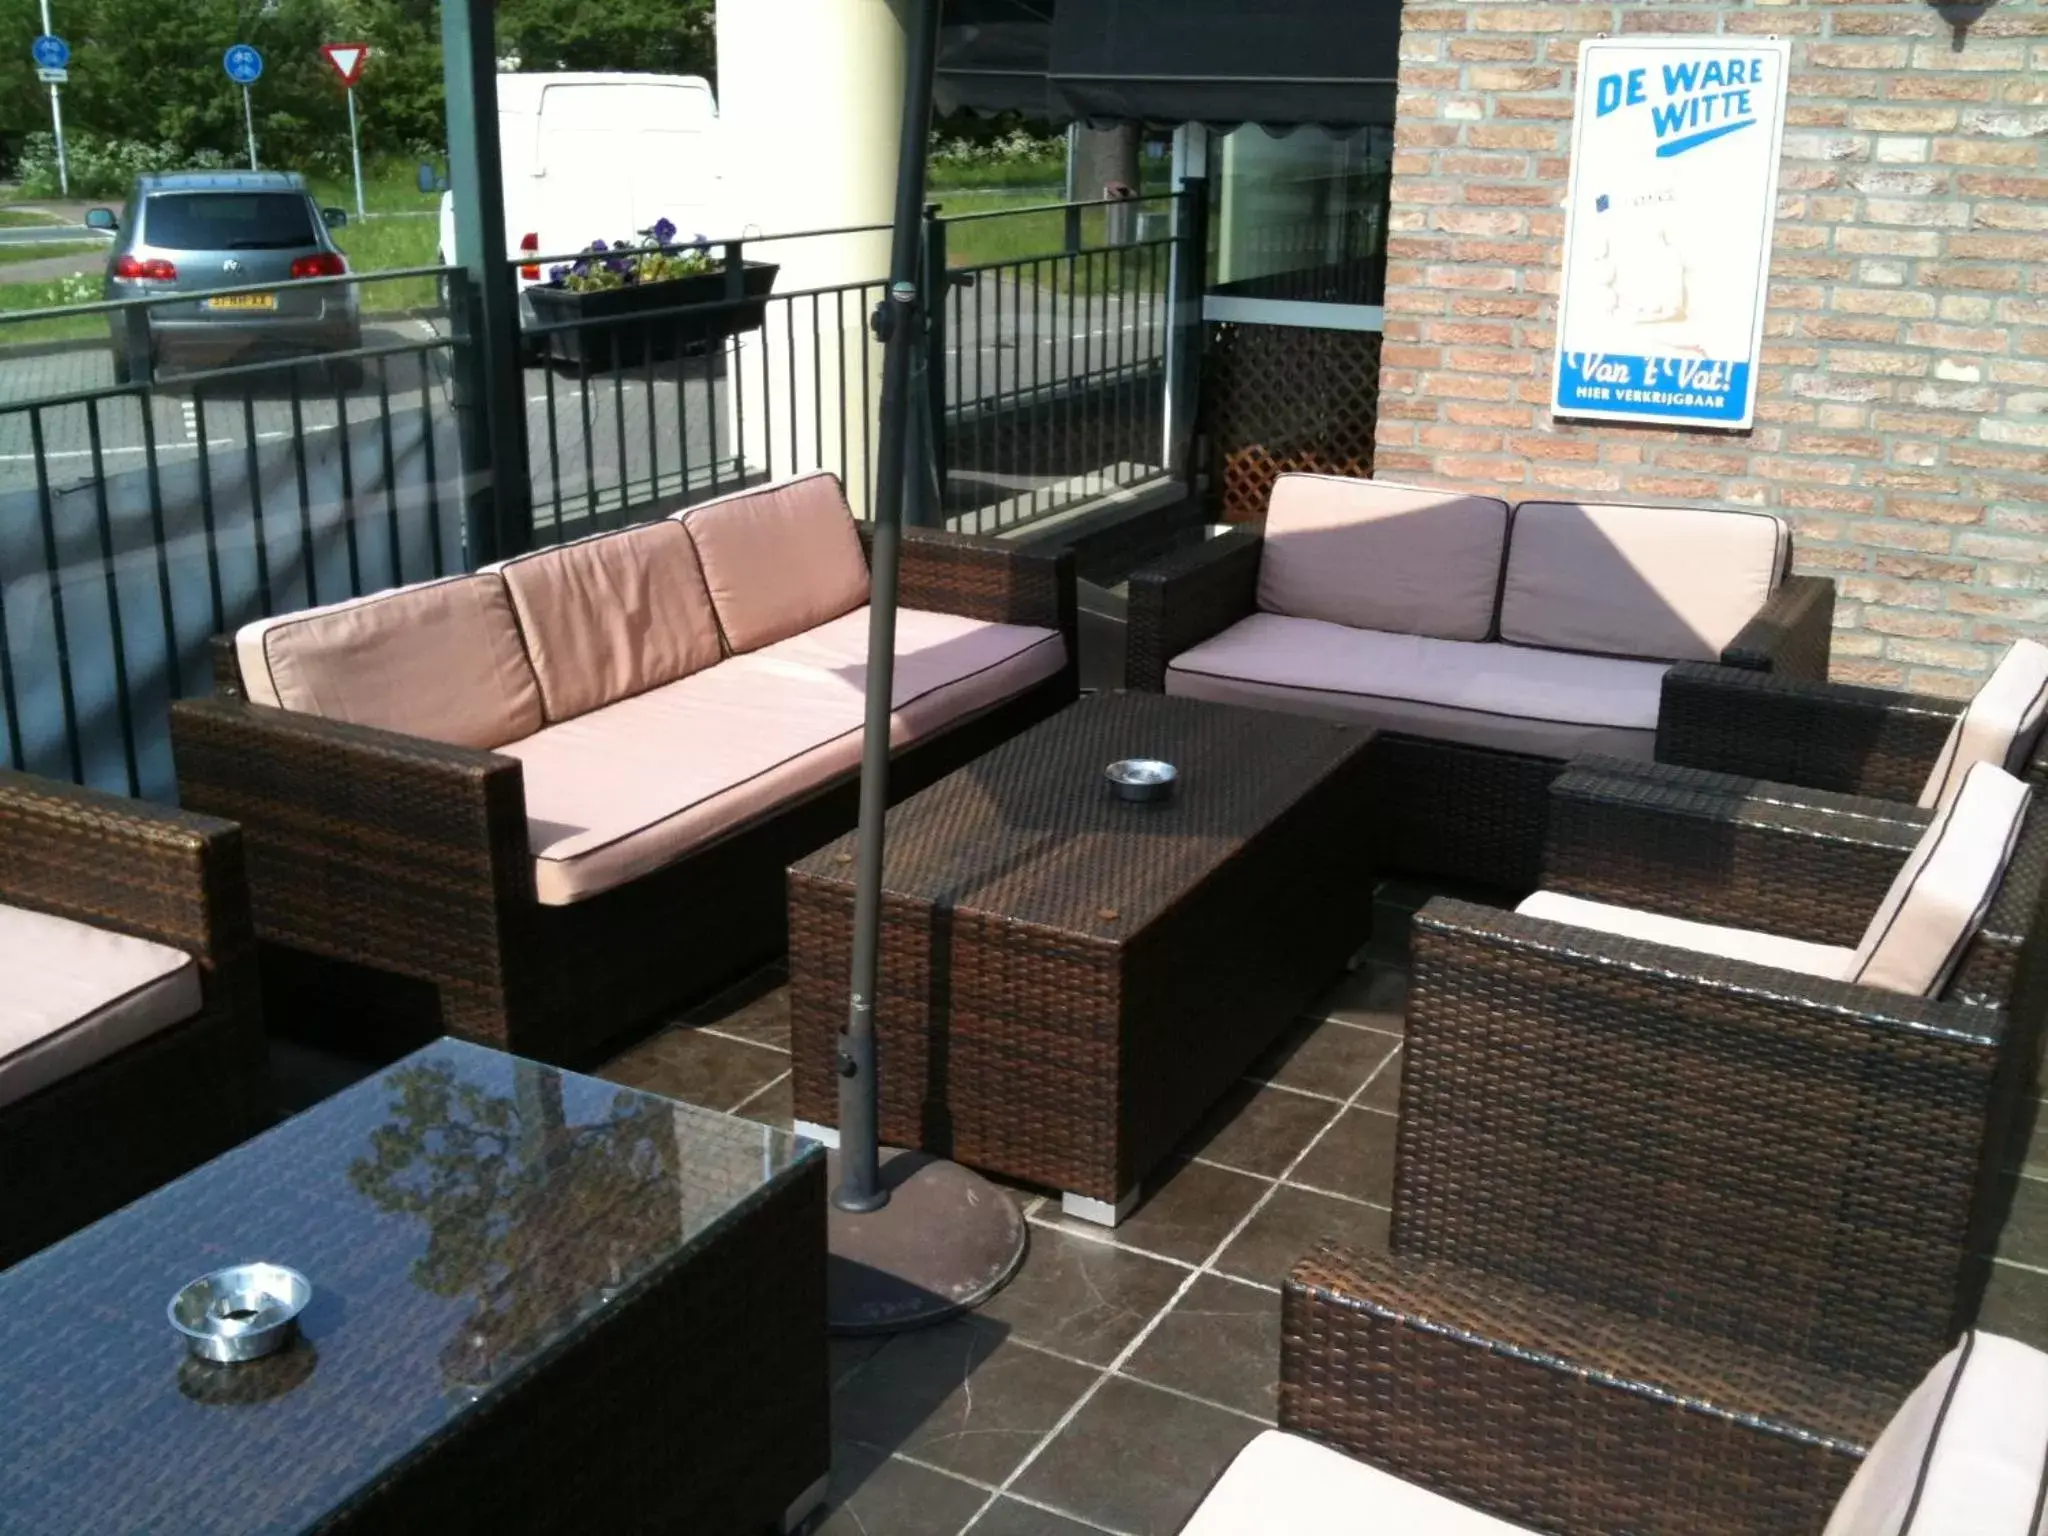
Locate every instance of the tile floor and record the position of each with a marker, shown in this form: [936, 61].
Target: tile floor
[1106, 1387]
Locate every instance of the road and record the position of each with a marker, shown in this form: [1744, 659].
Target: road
[642, 425]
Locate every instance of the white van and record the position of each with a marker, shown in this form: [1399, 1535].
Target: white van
[601, 157]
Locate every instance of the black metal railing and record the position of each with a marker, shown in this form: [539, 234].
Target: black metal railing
[138, 518]
[146, 507]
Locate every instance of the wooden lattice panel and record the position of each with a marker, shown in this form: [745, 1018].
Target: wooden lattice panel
[1283, 398]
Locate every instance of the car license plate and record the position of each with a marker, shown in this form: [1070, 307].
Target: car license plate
[243, 301]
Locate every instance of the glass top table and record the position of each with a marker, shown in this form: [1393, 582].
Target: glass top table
[464, 1217]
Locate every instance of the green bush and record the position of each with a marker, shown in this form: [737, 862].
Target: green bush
[1016, 158]
[103, 167]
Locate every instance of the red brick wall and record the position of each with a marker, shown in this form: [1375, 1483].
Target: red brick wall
[1902, 415]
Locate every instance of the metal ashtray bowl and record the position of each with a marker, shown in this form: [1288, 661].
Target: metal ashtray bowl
[1141, 778]
[241, 1313]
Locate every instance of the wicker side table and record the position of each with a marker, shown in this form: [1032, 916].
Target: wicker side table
[1069, 980]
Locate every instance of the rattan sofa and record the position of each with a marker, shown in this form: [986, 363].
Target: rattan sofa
[151, 1070]
[440, 886]
[1486, 646]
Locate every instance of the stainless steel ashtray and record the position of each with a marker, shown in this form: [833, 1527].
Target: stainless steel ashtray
[241, 1313]
[1141, 778]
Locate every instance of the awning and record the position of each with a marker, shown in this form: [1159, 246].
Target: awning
[1282, 63]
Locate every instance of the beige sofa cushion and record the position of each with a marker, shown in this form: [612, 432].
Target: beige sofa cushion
[947, 667]
[1829, 960]
[72, 995]
[1945, 887]
[1544, 703]
[618, 793]
[442, 660]
[1667, 583]
[1965, 1453]
[611, 616]
[1284, 1485]
[780, 559]
[1376, 555]
[2001, 724]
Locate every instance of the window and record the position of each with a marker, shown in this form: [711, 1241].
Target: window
[229, 221]
[1300, 218]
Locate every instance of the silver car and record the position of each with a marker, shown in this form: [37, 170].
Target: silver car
[200, 232]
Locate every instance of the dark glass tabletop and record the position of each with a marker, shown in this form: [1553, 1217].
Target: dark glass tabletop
[463, 1217]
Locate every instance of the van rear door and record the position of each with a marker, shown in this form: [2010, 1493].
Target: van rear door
[618, 155]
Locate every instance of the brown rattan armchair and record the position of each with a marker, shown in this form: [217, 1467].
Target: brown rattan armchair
[118, 1127]
[394, 886]
[1445, 809]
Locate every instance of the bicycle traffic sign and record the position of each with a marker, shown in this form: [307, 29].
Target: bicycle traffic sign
[243, 64]
[50, 52]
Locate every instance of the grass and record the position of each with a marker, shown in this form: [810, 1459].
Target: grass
[48, 295]
[25, 218]
[11, 255]
[1028, 237]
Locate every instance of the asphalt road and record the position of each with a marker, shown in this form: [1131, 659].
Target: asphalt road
[585, 433]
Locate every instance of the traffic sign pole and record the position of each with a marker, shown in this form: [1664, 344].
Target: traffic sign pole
[249, 122]
[57, 114]
[355, 151]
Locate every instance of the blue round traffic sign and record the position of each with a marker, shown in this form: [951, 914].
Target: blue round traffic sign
[243, 64]
[51, 52]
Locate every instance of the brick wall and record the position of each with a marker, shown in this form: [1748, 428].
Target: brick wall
[1902, 412]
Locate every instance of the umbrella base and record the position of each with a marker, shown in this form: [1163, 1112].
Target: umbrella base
[946, 1242]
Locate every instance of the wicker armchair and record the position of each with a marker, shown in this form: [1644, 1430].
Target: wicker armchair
[1445, 809]
[114, 1130]
[394, 883]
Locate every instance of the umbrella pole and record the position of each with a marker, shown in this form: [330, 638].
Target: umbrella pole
[913, 1238]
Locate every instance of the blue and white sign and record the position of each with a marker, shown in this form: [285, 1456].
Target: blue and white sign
[51, 52]
[1668, 223]
[243, 64]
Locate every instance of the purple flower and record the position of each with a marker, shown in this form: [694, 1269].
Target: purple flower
[664, 231]
[559, 273]
[598, 245]
[581, 269]
[703, 243]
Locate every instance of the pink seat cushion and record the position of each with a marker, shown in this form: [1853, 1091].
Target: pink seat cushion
[74, 995]
[618, 793]
[1665, 583]
[779, 560]
[442, 660]
[947, 667]
[1830, 960]
[1964, 1455]
[2001, 724]
[1376, 555]
[609, 617]
[1945, 887]
[1545, 703]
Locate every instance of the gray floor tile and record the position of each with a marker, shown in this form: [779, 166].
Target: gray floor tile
[1375, 995]
[1293, 1222]
[1221, 1341]
[1384, 1093]
[697, 1068]
[1355, 1157]
[1081, 1298]
[1259, 1130]
[774, 1105]
[1332, 1059]
[1184, 1215]
[872, 1494]
[2025, 1239]
[962, 1396]
[1136, 1459]
[2016, 1304]
[1008, 1517]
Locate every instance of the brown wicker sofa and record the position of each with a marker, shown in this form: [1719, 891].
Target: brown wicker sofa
[584, 818]
[131, 1034]
[1487, 646]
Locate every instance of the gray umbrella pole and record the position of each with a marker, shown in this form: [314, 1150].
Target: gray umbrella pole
[895, 323]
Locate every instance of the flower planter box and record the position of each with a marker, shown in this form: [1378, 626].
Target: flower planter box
[616, 327]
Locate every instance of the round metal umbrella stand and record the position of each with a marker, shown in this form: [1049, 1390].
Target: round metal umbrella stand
[913, 1239]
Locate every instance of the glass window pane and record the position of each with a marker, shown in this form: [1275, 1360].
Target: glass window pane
[1301, 216]
[228, 221]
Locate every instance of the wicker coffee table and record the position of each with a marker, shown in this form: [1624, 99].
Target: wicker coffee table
[540, 1303]
[1070, 980]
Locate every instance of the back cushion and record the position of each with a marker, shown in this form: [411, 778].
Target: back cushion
[609, 617]
[2001, 725]
[779, 560]
[442, 660]
[1945, 887]
[1964, 1454]
[1375, 555]
[1663, 583]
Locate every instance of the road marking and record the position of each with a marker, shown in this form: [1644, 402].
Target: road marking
[189, 413]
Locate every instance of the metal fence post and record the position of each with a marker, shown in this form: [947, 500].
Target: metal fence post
[928, 507]
[1186, 332]
[490, 388]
